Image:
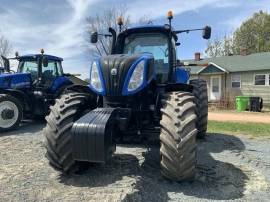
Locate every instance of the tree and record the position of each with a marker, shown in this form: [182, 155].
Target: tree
[253, 34]
[5, 48]
[220, 47]
[108, 18]
[101, 22]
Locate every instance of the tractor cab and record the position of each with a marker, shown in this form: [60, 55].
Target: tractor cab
[156, 40]
[38, 71]
[44, 69]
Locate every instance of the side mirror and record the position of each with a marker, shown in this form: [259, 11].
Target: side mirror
[94, 37]
[45, 61]
[206, 32]
[6, 63]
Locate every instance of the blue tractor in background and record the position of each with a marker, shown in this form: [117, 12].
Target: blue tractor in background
[138, 91]
[29, 92]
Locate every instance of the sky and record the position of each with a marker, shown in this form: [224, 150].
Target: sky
[59, 26]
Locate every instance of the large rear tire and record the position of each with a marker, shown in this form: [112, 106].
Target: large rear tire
[11, 112]
[58, 143]
[178, 136]
[201, 100]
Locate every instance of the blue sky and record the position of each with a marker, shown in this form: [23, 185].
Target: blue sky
[58, 26]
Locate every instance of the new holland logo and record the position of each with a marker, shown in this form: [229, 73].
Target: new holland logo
[114, 72]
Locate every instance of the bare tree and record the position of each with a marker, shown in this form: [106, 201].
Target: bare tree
[108, 18]
[5, 48]
[101, 22]
[219, 47]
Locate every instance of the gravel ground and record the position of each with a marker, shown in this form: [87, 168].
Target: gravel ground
[229, 168]
[255, 117]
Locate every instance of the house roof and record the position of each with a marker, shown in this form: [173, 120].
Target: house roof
[235, 63]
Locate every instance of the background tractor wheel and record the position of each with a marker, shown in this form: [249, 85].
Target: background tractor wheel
[201, 100]
[11, 112]
[178, 136]
[58, 143]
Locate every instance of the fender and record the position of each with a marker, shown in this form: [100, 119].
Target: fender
[59, 83]
[80, 89]
[20, 95]
[169, 87]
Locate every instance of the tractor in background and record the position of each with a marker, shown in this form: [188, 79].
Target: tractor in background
[29, 92]
[140, 89]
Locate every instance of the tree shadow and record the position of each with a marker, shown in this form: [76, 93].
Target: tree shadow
[26, 127]
[215, 179]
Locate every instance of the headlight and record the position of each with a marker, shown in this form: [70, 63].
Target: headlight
[96, 79]
[135, 78]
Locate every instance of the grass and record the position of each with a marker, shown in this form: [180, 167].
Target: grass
[253, 129]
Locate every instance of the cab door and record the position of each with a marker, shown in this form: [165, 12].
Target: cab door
[52, 76]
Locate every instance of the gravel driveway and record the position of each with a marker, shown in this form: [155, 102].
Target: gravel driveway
[229, 168]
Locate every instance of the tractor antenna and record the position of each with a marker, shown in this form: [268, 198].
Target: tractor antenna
[170, 17]
[120, 23]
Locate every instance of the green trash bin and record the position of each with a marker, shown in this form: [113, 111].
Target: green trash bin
[242, 103]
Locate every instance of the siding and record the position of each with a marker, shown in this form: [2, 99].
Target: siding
[247, 86]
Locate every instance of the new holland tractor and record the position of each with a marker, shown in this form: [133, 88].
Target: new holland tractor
[140, 89]
[30, 91]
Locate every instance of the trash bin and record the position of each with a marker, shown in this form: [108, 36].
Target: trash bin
[256, 104]
[242, 103]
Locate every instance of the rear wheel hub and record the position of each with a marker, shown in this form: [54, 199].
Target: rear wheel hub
[7, 114]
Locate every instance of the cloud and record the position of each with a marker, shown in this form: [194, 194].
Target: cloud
[246, 11]
[61, 35]
[159, 8]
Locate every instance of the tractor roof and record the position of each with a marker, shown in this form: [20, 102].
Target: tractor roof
[150, 28]
[34, 56]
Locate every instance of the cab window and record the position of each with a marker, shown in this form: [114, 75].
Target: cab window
[53, 69]
[29, 67]
[155, 43]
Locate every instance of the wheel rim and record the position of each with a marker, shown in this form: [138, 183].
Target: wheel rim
[11, 119]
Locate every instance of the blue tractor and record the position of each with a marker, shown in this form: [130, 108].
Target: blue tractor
[30, 91]
[137, 91]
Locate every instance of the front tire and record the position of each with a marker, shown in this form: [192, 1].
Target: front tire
[178, 136]
[58, 143]
[11, 112]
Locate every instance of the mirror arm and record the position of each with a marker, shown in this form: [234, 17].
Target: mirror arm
[187, 30]
[105, 35]
[113, 33]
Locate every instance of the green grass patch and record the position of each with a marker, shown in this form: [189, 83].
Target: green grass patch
[253, 129]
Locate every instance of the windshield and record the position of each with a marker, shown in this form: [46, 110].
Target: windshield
[155, 43]
[54, 69]
[29, 67]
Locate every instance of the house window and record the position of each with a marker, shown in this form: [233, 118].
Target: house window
[262, 80]
[236, 81]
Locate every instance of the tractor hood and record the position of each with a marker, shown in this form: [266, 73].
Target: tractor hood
[15, 81]
[117, 71]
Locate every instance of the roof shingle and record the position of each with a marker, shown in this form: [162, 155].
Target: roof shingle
[236, 63]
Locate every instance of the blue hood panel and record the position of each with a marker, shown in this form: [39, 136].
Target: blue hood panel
[15, 81]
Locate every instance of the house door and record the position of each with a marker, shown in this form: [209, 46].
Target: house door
[215, 90]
